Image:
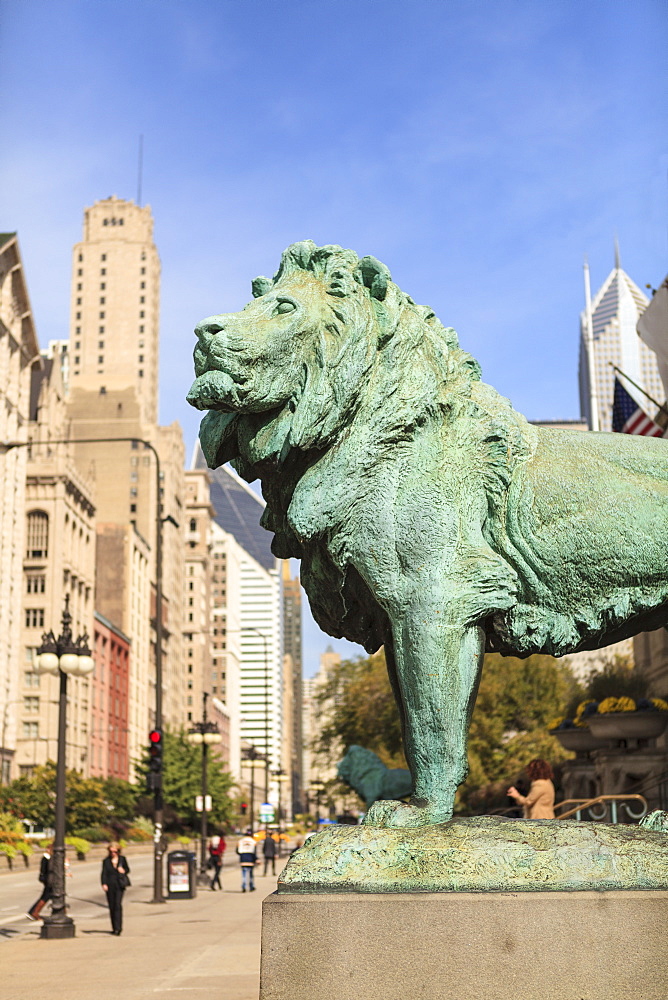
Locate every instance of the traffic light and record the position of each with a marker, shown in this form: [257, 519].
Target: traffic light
[244, 807]
[155, 751]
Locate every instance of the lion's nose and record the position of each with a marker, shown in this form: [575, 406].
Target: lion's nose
[207, 329]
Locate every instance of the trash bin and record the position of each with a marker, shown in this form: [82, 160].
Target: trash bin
[181, 875]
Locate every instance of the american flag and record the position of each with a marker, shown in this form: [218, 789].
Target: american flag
[628, 417]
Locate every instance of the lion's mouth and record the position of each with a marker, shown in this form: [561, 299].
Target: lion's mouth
[217, 390]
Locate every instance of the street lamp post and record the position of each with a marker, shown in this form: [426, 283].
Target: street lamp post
[204, 734]
[318, 787]
[280, 777]
[158, 804]
[62, 656]
[250, 755]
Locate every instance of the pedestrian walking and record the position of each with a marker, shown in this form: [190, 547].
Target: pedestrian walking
[115, 880]
[247, 851]
[45, 877]
[269, 852]
[538, 803]
[216, 850]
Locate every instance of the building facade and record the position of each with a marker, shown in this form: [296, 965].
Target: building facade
[615, 311]
[292, 685]
[19, 351]
[110, 701]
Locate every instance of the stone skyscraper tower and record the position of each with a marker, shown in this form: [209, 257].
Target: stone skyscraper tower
[115, 303]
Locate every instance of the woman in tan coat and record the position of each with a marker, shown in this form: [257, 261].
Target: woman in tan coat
[539, 803]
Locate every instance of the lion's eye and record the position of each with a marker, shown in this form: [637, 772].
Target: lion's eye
[285, 306]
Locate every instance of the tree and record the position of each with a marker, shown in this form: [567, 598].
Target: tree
[182, 781]
[34, 799]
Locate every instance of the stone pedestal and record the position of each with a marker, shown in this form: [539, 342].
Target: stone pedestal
[466, 946]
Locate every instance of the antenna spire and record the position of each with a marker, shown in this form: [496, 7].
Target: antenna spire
[140, 169]
[617, 263]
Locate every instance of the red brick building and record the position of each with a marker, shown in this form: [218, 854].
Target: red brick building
[110, 698]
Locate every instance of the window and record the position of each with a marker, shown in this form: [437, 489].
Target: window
[141, 314]
[34, 617]
[141, 359]
[102, 300]
[78, 302]
[35, 583]
[133, 508]
[141, 373]
[143, 271]
[80, 257]
[193, 524]
[103, 256]
[78, 315]
[31, 679]
[101, 316]
[101, 329]
[77, 343]
[79, 287]
[38, 534]
[142, 298]
[31, 730]
[102, 286]
[103, 270]
[100, 359]
[141, 330]
[142, 284]
[77, 359]
[31, 704]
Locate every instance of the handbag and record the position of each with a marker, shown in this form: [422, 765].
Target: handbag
[123, 880]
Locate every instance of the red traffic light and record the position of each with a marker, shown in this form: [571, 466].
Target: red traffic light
[155, 736]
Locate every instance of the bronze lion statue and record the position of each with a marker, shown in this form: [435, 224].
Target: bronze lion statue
[364, 772]
[429, 516]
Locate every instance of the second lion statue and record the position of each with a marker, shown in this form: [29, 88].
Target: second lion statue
[429, 515]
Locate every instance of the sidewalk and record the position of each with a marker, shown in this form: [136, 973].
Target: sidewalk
[187, 949]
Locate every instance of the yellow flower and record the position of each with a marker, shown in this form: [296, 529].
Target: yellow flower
[660, 704]
[617, 705]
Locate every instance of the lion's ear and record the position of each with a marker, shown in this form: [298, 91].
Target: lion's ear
[261, 286]
[375, 276]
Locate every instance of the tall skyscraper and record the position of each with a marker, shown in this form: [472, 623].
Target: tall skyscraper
[238, 512]
[115, 303]
[615, 310]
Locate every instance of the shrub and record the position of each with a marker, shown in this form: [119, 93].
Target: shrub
[96, 834]
[80, 845]
[136, 833]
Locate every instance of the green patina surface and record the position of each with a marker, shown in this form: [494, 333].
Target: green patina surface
[429, 515]
[483, 854]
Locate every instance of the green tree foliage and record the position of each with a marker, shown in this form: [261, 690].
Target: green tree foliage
[88, 801]
[182, 781]
[358, 707]
[516, 702]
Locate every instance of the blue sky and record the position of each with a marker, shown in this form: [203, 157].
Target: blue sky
[480, 149]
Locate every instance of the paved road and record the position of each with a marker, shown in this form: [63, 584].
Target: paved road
[186, 949]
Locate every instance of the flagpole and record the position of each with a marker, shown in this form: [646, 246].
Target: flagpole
[659, 406]
[589, 347]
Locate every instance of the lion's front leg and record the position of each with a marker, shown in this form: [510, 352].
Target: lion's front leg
[438, 662]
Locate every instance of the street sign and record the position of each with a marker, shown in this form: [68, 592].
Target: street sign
[198, 803]
[267, 812]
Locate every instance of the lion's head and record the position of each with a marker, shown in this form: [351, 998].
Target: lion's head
[287, 371]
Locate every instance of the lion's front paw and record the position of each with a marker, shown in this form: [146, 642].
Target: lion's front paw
[387, 812]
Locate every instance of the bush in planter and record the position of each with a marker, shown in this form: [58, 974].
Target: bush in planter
[96, 834]
[617, 705]
[138, 834]
[81, 846]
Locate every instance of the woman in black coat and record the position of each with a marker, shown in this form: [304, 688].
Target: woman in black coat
[115, 871]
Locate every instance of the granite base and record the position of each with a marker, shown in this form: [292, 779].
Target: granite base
[466, 946]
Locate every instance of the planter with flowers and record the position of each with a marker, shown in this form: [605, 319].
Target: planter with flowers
[574, 734]
[629, 719]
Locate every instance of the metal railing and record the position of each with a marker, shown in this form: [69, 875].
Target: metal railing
[613, 802]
